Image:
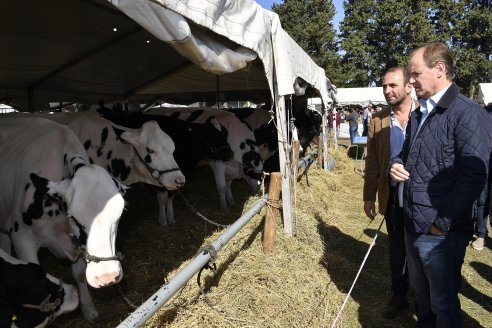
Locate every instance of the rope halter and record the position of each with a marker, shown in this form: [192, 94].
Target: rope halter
[46, 305]
[156, 174]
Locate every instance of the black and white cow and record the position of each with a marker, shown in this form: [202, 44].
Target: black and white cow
[131, 155]
[29, 297]
[247, 161]
[262, 123]
[194, 142]
[52, 197]
[307, 123]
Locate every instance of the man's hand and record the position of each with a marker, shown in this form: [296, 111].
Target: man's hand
[370, 209]
[398, 173]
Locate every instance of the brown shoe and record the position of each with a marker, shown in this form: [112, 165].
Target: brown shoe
[392, 310]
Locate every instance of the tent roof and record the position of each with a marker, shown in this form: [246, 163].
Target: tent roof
[180, 51]
[484, 93]
[360, 96]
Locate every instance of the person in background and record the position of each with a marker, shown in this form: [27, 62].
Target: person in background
[353, 121]
[366, 119]
[385, 140]
[443, 167]
[329, 119]
[337, 124]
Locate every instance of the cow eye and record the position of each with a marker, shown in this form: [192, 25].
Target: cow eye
[150, 151]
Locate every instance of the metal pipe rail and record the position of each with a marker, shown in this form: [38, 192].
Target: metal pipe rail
[156, 301]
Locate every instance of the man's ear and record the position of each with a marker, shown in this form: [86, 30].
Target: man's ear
[440, 69]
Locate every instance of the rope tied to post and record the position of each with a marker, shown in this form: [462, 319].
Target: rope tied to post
[272, 204]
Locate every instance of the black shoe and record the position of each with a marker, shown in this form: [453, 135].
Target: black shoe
[394, 307]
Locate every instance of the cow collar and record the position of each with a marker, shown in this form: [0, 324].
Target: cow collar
[156, 174]
[84, 255]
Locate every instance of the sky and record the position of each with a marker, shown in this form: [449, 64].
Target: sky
[267, 4]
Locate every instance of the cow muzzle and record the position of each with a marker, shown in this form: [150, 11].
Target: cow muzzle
[103, 271]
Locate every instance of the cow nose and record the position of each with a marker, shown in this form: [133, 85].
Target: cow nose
[108, 279]
[180, 181]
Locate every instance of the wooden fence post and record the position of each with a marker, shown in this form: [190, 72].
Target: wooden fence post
[272, 211]
[320, 151]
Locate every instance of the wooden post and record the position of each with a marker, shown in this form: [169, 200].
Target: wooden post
[320, 151]
[272, 211]
[283, 153]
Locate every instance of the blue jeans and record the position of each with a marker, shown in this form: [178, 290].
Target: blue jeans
[396, 236]
[481, 212]
[353, 133]
[434, 266]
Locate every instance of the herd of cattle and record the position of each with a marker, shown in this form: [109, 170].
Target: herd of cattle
[64, 179]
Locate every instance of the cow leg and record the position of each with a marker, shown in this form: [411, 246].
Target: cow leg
[229, 196]
[86, 304]
[170, 209]
[166, 208]
[218, 168]
[162, 200]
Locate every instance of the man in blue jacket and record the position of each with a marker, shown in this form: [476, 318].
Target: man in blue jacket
[442, 170]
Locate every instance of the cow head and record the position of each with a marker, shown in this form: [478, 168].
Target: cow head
[213, 136]
[31, 297]
[154, 150]
[94, 207]
[252, 164]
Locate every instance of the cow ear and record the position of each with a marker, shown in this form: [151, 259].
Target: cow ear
[131, 137]
[216, 123]
[150, 125]
[59, 189]
[54, 189]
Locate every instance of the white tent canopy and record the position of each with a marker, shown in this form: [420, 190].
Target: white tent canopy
[86, 51]
[140, 51]
[360, 96]
[484, 96]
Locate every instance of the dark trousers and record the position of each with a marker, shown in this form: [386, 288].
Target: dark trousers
[396, 235]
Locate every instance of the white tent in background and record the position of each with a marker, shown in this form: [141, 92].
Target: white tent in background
[6, 109]
[360, 96]
[484, 96]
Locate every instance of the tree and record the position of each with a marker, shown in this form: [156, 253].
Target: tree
[378, 34]
[354, 32]
[472, 45]
[310, 24]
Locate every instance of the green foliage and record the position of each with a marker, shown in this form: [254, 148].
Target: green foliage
[310, 24]
[378, 34]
